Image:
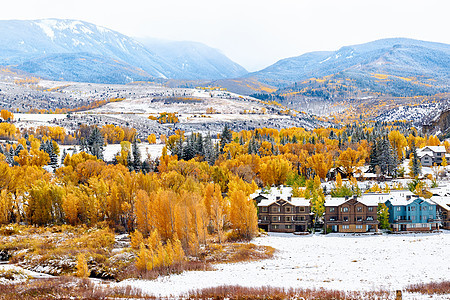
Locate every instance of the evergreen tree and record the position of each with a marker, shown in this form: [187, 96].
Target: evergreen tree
[95, 143]
[225, 138]
[137, 165]
[416, 167]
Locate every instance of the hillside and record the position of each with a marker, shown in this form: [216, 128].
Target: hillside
[399, 57]
[196, 60]
[39, 46]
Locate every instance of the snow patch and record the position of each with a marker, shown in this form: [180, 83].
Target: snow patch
[325, 60]
[46, 28]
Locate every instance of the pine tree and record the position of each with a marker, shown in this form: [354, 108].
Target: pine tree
[63, 156]
[225, 137]
[416, 168]
[95, 143]
[136, 156]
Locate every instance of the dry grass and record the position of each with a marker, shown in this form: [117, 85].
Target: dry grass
[177, 268]
[236, 252]
[239, 292]
[66, 288]
[431, 288]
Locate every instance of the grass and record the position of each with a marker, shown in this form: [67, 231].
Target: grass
[267, 292]
[66, 288]
[236, 252]
[440, 288]
[58, 246]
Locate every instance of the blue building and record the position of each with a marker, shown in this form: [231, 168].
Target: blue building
[412, 213]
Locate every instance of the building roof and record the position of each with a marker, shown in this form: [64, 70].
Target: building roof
[293, 201]
[434, 148]
[372, 199]
[334, 201]
[444, 202]
[402, 201]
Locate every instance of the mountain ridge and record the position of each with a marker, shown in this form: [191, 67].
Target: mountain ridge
[24, 40]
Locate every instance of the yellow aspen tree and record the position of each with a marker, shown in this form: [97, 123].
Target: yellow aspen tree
[243, 216]
[142, 208]
[70, 207]
[136, 239]
[142, 259]
[82, 267]
[338, 180]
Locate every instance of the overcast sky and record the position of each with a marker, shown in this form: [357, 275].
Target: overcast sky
[254, 33]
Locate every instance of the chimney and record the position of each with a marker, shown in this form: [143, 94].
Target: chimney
[289, 198]
[278, 198]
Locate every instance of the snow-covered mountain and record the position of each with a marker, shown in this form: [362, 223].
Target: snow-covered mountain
[395, 56]
[34, 46]
[195, 59]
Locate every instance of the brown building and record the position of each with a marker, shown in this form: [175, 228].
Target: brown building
[442, 210]
[280, 213]
[351, 214]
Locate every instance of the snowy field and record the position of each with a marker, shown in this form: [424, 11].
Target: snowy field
[334, 261]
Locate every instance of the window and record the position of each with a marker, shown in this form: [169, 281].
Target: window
[263, 209]
[275, 219]
[425, 207]
[275, 208]
[288, 209]
[301, 208]
[424, 225]
[413, 218]
[274, 226]
[345, 226]
[399, 208]
[288, 219]
[359, 219]
[331, 209]
[413, 225]
[369, 218]
[332, 218]
[359, 209]
[431, 217]
[345, 219]
[359, 227]
[413, 208]
[302, 218]
[345, 209]
[288, 226]
[370, 208]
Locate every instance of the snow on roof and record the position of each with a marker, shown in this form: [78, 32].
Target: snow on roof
[266, 202]
[441, 201]
[294, 201]
[373, 199]
[299, 201]
[334, 201]
[433, 148]
[402, 201]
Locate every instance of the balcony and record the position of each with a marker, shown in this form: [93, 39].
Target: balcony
[402, 221]
[433, 220]
[263, 222]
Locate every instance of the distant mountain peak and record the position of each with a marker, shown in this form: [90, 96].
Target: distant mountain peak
[28, 44]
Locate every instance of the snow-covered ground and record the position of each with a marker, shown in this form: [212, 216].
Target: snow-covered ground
[154, 150]
[334, 261]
